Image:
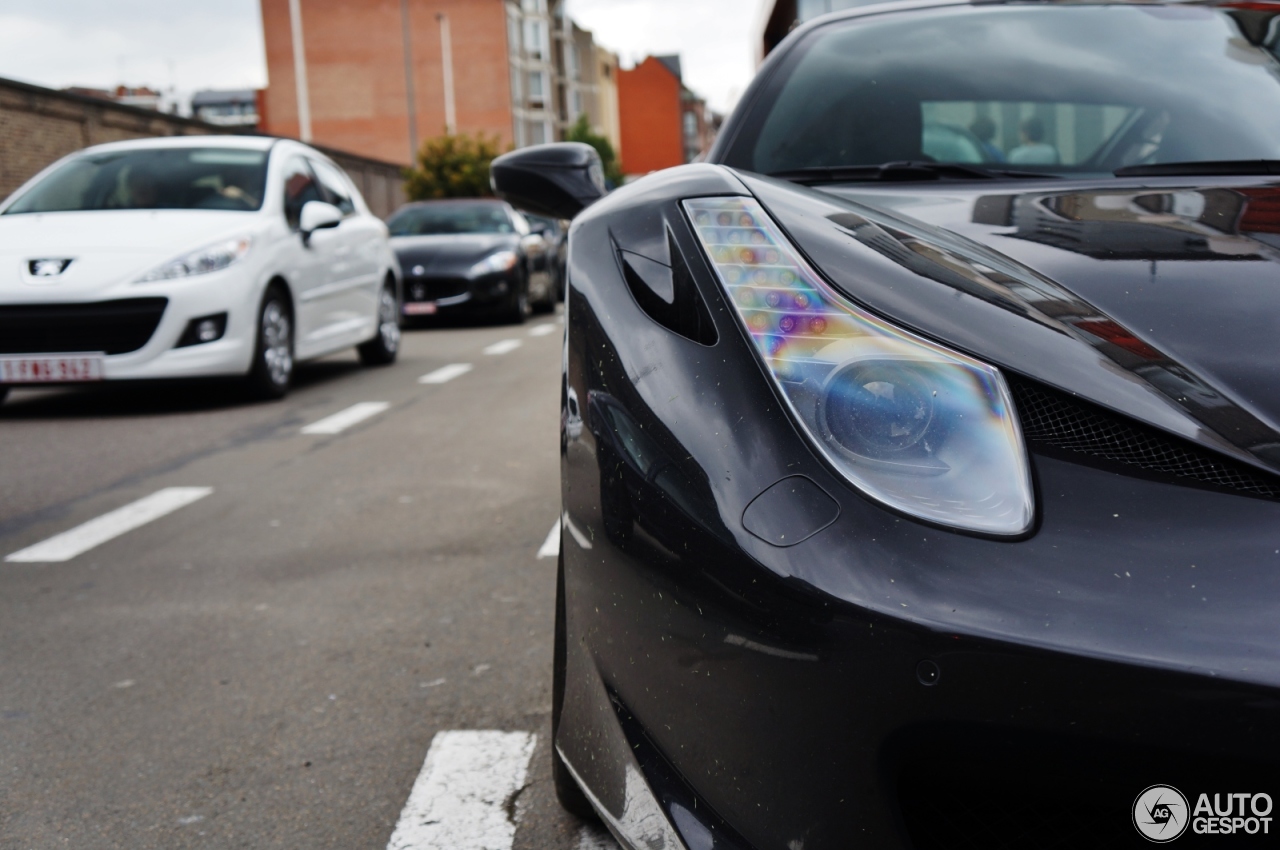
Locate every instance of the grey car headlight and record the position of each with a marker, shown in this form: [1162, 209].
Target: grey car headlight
[500, 261]
[211, 258]
[925, 430]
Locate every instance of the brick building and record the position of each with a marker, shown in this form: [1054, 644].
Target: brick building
[663, 123]
[380, 76]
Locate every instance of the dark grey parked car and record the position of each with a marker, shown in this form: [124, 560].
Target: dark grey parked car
[475, 256]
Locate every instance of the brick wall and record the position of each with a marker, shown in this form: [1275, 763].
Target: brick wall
[356, 72]
[39, 126]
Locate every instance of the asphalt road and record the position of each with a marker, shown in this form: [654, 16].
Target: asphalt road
[267, 664]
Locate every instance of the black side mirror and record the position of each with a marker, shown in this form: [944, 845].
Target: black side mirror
[557, 180]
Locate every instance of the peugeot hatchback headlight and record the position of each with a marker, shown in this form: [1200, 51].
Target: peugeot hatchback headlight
[211, 258]
[925, 430]
[498, 262]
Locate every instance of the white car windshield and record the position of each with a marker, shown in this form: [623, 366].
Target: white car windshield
[151, 178]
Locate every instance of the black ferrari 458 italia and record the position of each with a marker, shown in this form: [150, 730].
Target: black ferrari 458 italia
[477, 257]
[921, 451]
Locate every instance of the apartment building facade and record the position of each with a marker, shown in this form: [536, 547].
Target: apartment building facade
[379, 77]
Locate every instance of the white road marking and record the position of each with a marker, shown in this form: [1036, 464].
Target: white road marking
[543, 330]
[445, 373]
[576, 532]
[551, 546]
[503, 346]
[344, 419]
[458, 801]
[595, 838]
[95, 532]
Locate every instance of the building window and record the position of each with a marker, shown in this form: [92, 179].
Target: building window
[535, 40]
[690, 126]
[537, 83]
[577, 105]
[537, 133]
[534, 7]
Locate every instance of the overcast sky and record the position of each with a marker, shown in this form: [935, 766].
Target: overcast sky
[195, 44]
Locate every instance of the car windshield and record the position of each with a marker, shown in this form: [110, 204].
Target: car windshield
[151, 179]
[1063, 89]
[437, 219]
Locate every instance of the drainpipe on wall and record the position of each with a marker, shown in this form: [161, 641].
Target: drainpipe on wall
[411, 98]
[446, 59]
[300, 71]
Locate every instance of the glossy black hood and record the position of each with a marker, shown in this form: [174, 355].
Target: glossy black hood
[449, 255]
[1155, 299]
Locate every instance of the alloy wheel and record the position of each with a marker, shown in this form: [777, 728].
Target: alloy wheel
[277, 343]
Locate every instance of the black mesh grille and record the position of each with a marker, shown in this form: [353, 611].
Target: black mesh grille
[1058, 420]
[113, 327]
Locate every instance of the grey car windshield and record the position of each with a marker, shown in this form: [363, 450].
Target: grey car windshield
[151, 179]
[1033, 88]
[436, 219]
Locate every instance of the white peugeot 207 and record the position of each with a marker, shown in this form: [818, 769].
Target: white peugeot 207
[175, 258]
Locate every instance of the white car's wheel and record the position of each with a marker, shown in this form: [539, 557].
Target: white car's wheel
[272, 371]
[383, 348]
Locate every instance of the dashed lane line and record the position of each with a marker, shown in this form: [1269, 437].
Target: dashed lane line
[459, 799]
[551, 546]
[95, 532]
[543, 330]
[445, 374]
[344, 419]
[503, 346]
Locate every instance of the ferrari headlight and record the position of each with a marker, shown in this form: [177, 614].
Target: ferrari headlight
[211, 258]
[499, 262]
[925, 430]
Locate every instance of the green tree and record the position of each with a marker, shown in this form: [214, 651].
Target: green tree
[452, 166]
[581, 132]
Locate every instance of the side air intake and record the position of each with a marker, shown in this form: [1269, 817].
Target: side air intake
[1056, 419]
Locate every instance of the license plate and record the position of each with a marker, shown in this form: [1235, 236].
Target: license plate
[420, 308]
[56, 368]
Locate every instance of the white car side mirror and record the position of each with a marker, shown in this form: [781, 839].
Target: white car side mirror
[317, 215]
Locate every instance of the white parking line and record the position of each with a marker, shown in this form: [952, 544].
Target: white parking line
[445, 374]
[344, 419]
[458, 801]
[543, 330]
[95, 532]
[503, 346]
[551, 546]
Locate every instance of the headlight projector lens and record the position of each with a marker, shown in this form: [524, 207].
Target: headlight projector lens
[882, 411]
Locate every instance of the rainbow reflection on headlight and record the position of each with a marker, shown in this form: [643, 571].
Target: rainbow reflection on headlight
[923, 429]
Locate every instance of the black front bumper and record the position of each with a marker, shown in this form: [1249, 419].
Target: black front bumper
[458, 294]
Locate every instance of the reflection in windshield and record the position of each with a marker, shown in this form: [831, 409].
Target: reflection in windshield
[1057, 89]
[1184, 224]
[446, 218]
[155, 179]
